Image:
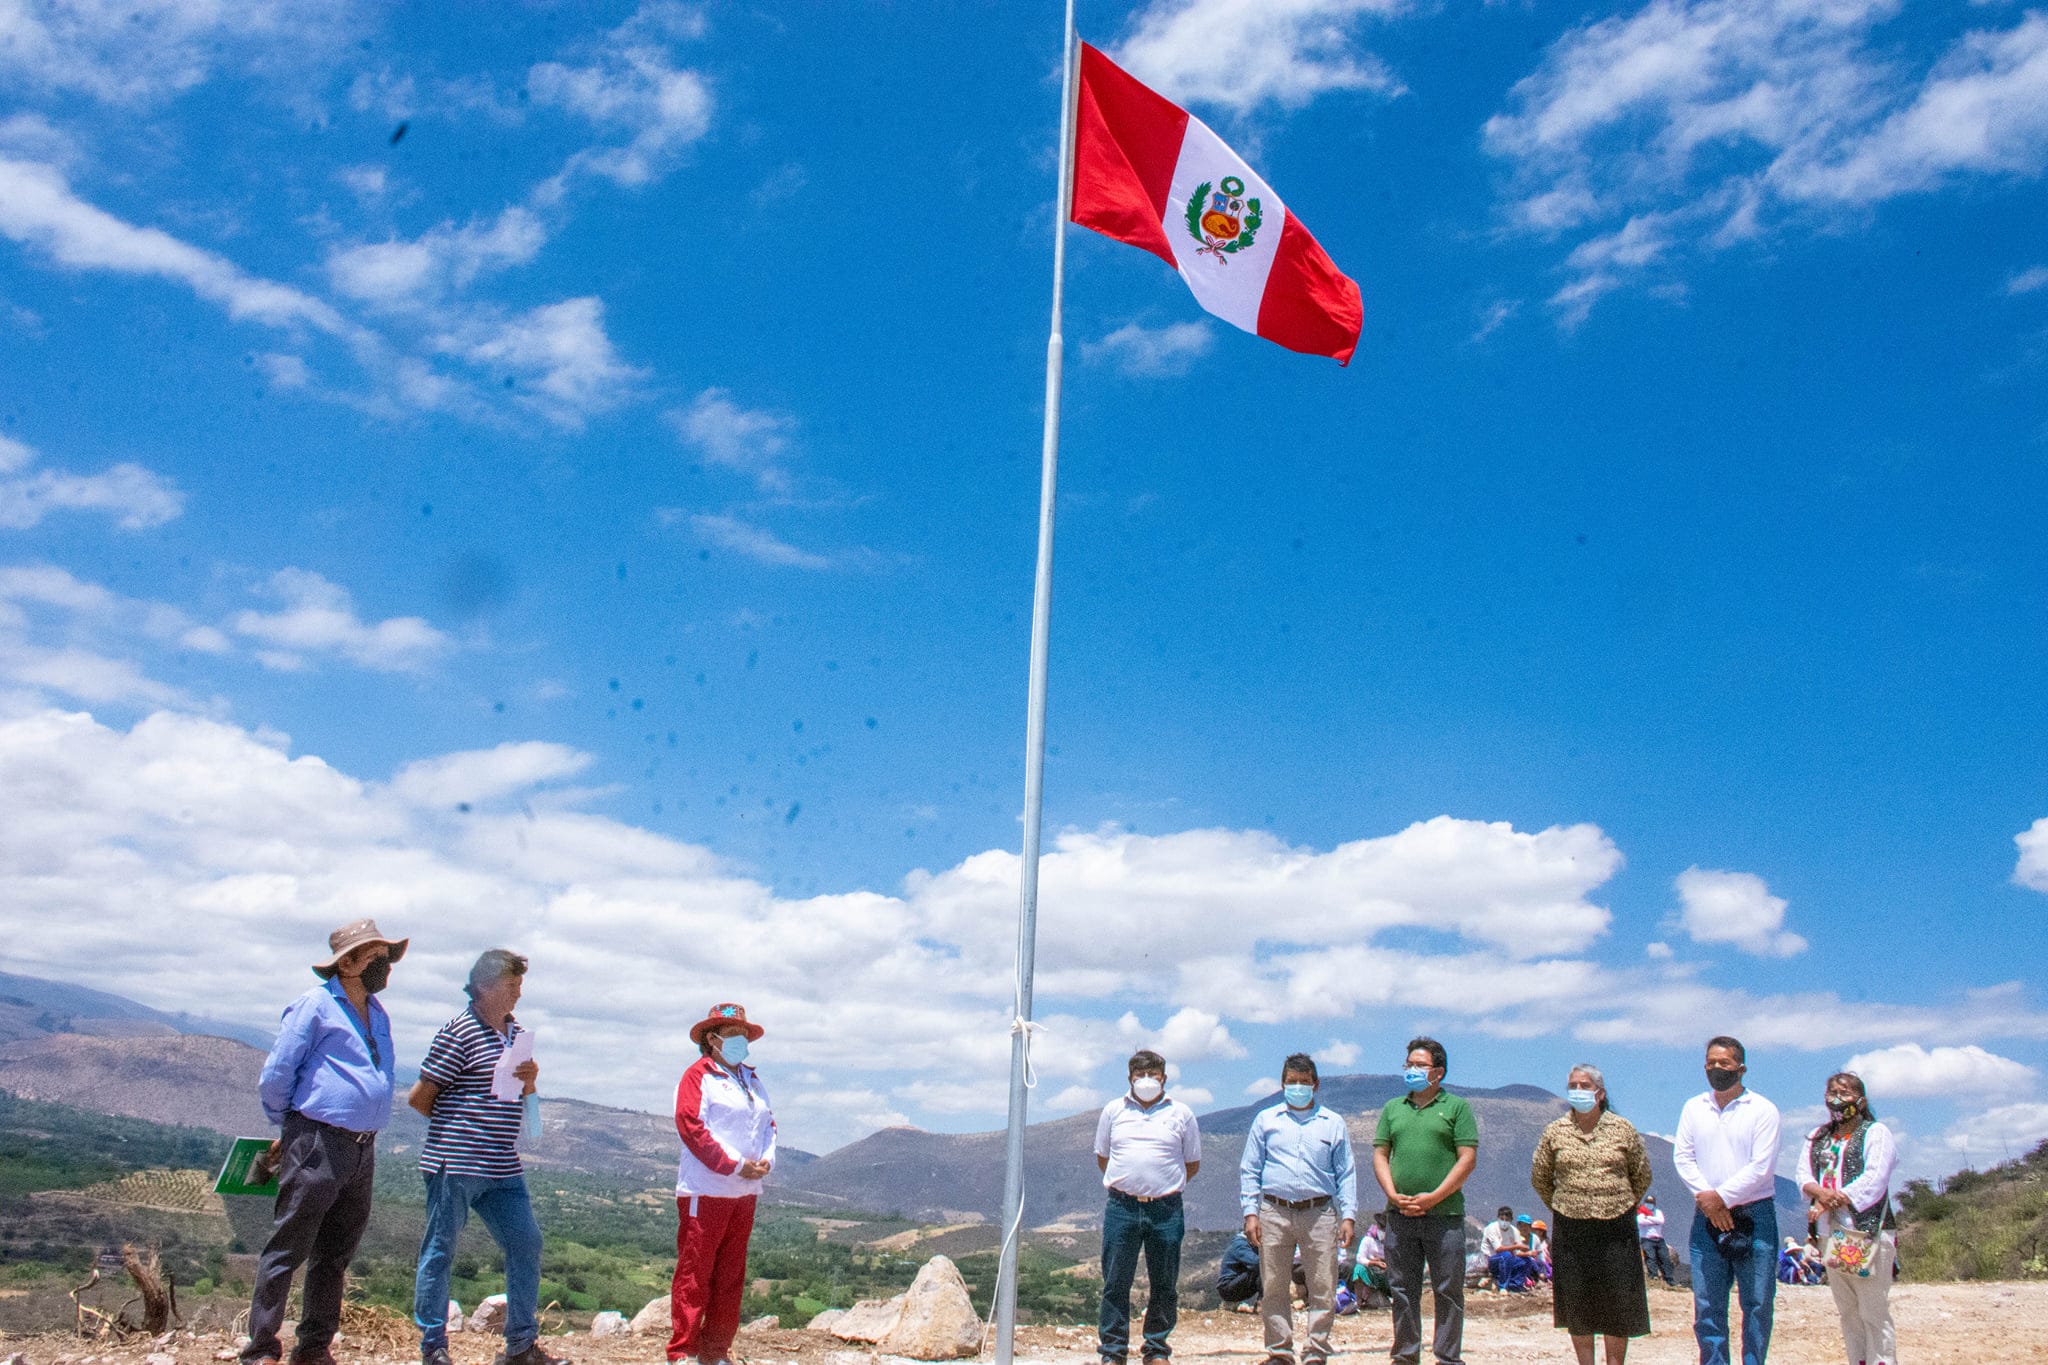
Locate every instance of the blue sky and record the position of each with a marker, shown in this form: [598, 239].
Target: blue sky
[600, 517]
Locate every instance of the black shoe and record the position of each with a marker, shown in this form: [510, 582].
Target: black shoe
[532, 1355]
[438, 1356]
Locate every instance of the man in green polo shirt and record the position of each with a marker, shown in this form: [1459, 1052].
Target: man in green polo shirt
[1422, 1152]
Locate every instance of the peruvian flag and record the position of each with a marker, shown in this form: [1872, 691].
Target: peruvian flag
[1147, 173]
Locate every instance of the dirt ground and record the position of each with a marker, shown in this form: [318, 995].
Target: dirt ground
[1983, 1324]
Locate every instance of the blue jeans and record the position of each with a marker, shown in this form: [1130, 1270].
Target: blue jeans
[508, 1213]
[1155, 1228]
[1753, 1276]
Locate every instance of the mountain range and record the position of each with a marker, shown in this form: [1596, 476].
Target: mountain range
[96, 1051]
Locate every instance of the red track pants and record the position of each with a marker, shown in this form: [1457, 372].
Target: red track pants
[711, 1274]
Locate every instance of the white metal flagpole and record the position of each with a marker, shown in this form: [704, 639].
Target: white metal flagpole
[1034, 744]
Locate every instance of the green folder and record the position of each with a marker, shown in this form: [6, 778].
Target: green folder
[235, 1173]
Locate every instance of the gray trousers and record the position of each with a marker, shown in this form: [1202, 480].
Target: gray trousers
[1281, 1230]
[1429, 1249]
[323, 1205]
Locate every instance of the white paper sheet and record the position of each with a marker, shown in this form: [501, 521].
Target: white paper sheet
[504, 1085]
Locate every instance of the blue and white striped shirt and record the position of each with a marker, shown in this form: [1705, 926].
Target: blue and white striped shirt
[469, 1133]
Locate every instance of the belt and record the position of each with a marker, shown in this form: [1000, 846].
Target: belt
[1314, 1203]
[1142, 1198]
[360, 1139]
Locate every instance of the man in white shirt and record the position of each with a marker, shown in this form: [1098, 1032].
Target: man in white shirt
[1726, 1152]
[1650, 1232]
[1500, 1249]
[1148, 1147]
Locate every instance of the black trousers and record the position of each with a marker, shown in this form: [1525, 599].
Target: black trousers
[323, 1205]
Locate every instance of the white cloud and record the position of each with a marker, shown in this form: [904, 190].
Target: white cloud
[146, 51]
[1735, 908]
[484, 774]
[1677, 1012]
[284, 371]
[750, 441]
[2027, 281]
[1191, 1035]
[1658, 952]
[561, 351]
[1715, 122]
[400, 273]
[38, 209]
[628, 85]
[1495, 317]
[1153, 351]
[1262, 1087]
[1194, 1094]
[318, 617]
[1991, 1136]
[134, 497]
[1336, 1052]
[56, 632]
[744, 538]
[1240, 54]
[125, 853]
[1910, 1071]
[2032, 870]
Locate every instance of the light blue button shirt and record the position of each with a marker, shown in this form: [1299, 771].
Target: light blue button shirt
[1298, 1154]
[322, 1064]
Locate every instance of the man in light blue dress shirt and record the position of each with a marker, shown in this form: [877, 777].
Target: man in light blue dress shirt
[1298, 1188]
[327, 1085]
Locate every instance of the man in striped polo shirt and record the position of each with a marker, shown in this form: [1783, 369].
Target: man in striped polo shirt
[470, 1162]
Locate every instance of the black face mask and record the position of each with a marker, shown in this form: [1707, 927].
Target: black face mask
[1723, 1078]
[377, 975]
[1842, 1108]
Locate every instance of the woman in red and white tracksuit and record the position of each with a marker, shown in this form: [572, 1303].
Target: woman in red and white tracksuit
[728, 1134]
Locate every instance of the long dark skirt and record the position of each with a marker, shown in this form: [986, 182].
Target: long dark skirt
[1597, 1277]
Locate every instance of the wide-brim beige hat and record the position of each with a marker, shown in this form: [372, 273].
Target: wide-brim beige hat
[352, 936]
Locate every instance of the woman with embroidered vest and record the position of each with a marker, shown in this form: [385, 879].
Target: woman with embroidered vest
[1590, 1168]
[1845, 1168]
[728, 1134]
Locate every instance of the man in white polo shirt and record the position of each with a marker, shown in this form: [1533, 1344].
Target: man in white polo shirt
[1148, 1147]
[1726, 1152]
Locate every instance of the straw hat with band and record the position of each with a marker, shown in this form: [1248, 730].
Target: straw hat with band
[721, 1015]
[350, 937]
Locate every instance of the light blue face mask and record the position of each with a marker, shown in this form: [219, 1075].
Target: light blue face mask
[1582, 1100]
[1299, 1096]
[733, 1048]
[1415, 1078]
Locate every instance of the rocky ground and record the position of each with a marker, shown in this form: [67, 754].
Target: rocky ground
[1980, 1323]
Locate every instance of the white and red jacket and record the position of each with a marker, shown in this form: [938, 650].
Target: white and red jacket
[723, 1119]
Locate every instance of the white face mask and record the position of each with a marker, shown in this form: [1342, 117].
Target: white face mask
[1146, 1089]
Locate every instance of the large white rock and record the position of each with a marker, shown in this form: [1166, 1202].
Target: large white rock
[763, 1324]
[653, 1319]
[869, 1320]
[454, 1316]
[489, 1315]
[822, 1322]
[610, 1325]
[937, 1320]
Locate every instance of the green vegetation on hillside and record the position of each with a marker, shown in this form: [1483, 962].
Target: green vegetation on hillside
[1979, 1225]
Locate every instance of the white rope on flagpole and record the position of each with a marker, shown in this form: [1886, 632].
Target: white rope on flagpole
[1021, 1026]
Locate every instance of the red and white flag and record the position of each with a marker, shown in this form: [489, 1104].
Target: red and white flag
[1147, 173]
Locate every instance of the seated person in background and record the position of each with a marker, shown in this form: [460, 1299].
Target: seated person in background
[1237, 1278]
[1369, 1283]
[1505, 1252]
[1539, 1248]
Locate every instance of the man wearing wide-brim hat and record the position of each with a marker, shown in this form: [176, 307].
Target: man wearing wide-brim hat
[728, 1133]
[327, 1085]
